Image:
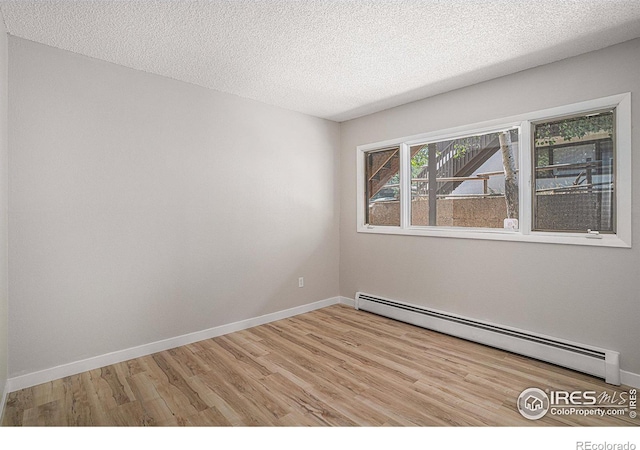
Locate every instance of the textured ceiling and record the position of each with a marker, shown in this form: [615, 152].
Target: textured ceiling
[328, 58]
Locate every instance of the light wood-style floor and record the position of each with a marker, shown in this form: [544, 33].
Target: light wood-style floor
[331, 367]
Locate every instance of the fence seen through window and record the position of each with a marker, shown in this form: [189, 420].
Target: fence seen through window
[574, 174]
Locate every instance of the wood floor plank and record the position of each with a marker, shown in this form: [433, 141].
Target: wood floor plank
[242, 357]
[330, 387]
[331, 367]
[243, 410]
[47, 414]
[210, 417]
[304, 402]
[226, 365]
[180, 405]
[118, 391]
[131, 414]
[76, 403]
[214, 396]
[186, 360]
[168, 366]
[98, 406]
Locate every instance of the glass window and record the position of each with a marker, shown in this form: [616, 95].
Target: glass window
[382, 172]
[475, 181]
[560, 175]
[573, 173]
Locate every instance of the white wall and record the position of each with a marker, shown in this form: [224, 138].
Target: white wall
[584, 294]
[143, 208]
[4, 320]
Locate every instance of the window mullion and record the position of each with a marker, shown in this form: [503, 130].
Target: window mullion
[405, 187]
[525, 178]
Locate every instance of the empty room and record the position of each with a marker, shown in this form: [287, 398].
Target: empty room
[403, 214]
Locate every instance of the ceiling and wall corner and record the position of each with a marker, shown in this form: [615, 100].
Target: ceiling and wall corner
[328, 58]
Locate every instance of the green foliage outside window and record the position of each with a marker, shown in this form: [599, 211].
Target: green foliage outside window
[548, 133]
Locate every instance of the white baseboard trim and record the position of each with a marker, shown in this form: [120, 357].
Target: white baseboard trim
[630, 379]
[65, 370]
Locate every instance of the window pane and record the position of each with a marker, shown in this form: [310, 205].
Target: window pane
[470, 184]
[382, 171]
[574, 183]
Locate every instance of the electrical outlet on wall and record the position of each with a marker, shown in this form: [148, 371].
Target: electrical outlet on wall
[301, 282]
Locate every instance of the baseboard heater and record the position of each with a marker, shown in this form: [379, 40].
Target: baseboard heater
[591, 360]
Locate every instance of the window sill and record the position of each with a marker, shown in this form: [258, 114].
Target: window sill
[604, 240]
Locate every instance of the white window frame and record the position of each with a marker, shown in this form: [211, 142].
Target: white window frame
[622, 237]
